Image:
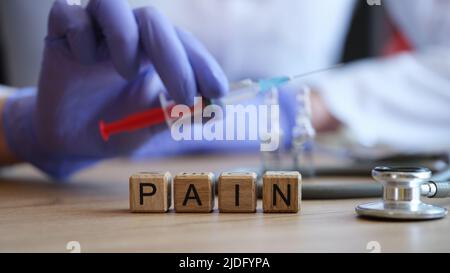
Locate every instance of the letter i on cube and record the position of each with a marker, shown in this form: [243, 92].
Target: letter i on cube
[237, 192]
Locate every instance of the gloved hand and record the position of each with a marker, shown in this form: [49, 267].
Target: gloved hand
[102, 63]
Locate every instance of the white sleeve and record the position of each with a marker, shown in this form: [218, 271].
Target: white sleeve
[402, 102]
[6, 91]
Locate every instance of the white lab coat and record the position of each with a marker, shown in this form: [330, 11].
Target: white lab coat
[402, 101]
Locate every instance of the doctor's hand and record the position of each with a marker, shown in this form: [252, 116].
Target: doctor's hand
[103, 62]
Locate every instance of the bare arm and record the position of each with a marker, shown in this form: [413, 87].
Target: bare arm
[323, 120]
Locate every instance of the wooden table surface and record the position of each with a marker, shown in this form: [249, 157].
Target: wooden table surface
[37, 215]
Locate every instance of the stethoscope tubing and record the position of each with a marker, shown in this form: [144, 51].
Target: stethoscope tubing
[354, 190]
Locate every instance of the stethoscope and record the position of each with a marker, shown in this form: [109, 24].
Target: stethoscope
[402, 192]
[400, 187]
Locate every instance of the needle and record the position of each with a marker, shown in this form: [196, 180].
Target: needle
[317, 71]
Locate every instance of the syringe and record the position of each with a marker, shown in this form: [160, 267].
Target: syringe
[248, 89]
[241, 91]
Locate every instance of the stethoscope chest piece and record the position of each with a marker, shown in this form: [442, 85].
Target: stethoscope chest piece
[401, 196]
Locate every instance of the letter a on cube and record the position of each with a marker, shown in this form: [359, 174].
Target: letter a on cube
[193, 192]
[150, 192]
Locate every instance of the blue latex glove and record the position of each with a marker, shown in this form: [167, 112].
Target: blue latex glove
[102, 63]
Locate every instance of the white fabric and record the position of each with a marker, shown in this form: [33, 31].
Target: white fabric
[402, 101]
[6, 91]
[257, 38]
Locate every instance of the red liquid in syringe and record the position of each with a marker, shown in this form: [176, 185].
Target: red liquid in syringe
[137, 121]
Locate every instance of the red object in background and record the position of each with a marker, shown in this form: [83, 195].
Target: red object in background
[398, 43]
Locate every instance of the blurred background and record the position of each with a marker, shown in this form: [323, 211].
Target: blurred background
[265, 38]
[23, 27]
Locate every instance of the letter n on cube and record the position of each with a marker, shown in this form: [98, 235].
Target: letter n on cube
[281, 192]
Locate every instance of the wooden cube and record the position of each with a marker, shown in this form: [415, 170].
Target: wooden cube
[237, 192]
[194, 192]
[150, 192]
[281, 192]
